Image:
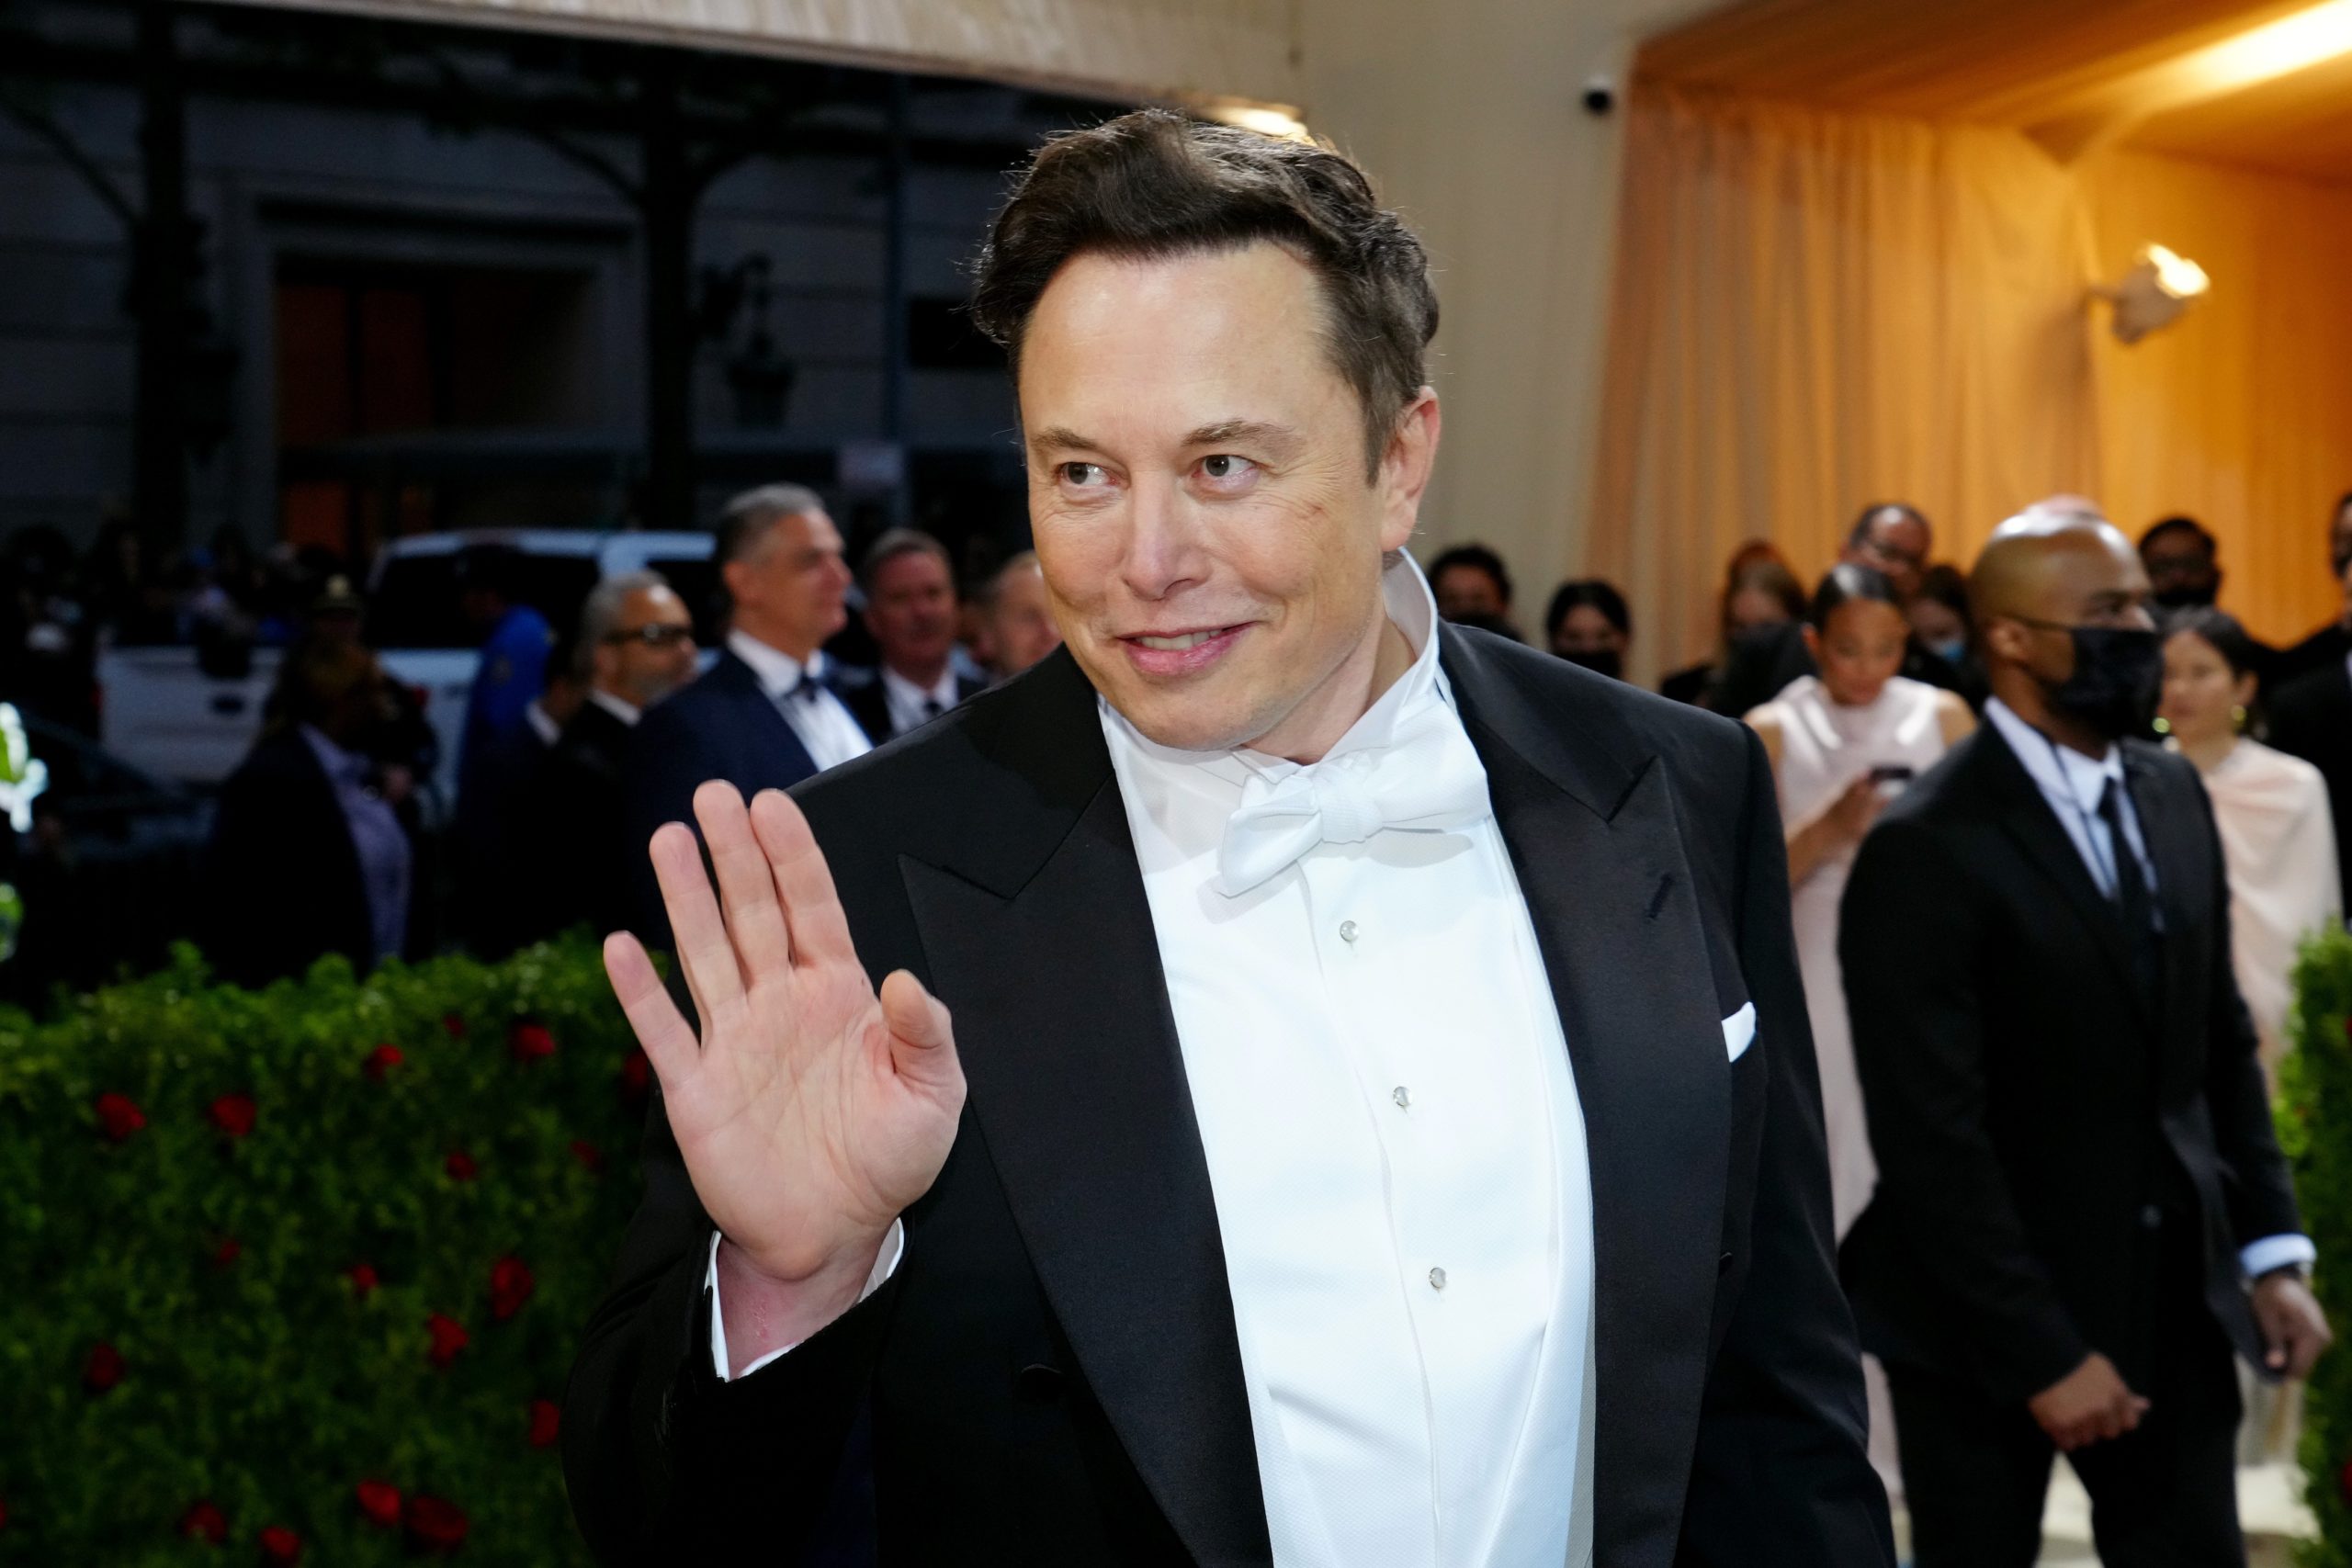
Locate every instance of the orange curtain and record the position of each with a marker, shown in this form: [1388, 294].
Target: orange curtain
[1816, 311]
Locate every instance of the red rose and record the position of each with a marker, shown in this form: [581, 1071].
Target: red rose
[383, 1060]
[3, 1516]
[119, 1116]
[205, 1522]
[531, 1043]
[2344, 1481]
[363, 1278]
[636, 1074]
[380, 1501]
[448, 1338]
[455, 1025]
[590, 1157]
[460, 1166]
[227, 1252]
[546, 1420]
[510, 1286]
[279, 1544]
[234, 1115]
[434, 1523]
[103, 1369]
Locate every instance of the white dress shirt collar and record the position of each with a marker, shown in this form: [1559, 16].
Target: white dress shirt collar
[629, 712]
[779, 673]
[2059, 770]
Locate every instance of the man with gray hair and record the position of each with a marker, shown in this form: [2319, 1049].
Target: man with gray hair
[635, 646]
[765, 715]
[911, 609]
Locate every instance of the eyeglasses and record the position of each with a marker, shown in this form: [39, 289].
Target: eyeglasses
[653, 634]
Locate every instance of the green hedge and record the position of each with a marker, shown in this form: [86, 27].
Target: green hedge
[302, 1269]
[2315, 1129]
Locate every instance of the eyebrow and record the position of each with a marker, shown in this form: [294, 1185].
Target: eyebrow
[1279, 438]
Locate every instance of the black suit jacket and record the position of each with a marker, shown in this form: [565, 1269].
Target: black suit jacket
[283, 879]
[2042, 1126]
[1053, 1375]
[2312, 718]
[870, 703]
[568, 849]
[723, 725]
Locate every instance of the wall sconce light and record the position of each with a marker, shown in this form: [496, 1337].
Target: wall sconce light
[2152, 295]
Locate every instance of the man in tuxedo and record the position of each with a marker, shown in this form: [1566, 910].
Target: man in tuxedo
[635, 646]
[2331, 644]
[910, 611]
[1339, 1089]
[2081, 1210]
[2310, 716]
[765, 715]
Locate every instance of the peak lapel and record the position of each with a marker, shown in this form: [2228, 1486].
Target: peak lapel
[1041, 942]
[1588, 819]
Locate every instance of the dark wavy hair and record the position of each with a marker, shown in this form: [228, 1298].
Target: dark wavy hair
[1157, 183]
[1846, 583]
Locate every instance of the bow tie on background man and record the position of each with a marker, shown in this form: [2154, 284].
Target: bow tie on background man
[1428, 779]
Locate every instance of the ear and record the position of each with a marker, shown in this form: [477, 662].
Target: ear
[1811, 642]
[1405, 467]
[2005, 639]
[737, 575]
[2242, 690]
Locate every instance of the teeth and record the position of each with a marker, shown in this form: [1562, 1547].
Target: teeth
[1176, 644]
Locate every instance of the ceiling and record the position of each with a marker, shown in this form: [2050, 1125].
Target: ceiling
[2076, 74]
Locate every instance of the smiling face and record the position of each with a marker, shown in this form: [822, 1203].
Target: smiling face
[1212, 546]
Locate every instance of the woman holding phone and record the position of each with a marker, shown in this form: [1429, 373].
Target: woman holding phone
[1843, 743]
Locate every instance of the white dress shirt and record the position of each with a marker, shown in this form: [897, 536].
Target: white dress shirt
[912, 707]
[829, 731]
[2073, 786]
[1398, 1153]
[621, 708]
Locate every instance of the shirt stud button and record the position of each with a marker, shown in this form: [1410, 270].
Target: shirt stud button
[1346, 930]
[1404, 1100]
[1437, 1279]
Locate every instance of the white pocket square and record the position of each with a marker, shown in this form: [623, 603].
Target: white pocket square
[1739, 1032]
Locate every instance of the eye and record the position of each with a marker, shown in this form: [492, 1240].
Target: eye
[1224, 467]
[1081, 474]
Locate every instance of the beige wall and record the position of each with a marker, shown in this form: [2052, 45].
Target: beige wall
[1466, 112]
[1470, 116]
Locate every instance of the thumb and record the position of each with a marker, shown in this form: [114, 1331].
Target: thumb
[922, 1043]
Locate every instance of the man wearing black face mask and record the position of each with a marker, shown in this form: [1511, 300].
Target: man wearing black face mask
[2184, 563]
[2081, 1209]
[1588, 624]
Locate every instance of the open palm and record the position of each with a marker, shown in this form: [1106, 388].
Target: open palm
[811, 1112]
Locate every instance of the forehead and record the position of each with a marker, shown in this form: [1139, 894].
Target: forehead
[2087, 563]
[910, 568]
[657, 603]
[2174, 545]
[1125, 347]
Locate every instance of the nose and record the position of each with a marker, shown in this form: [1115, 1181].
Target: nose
[1164, 542]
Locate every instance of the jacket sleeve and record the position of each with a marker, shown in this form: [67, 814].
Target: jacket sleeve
[1780, 1474]
[1912, 940]
[665, 1463]
[2256, 1184]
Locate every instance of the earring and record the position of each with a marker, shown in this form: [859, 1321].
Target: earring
[2162, 725]
[2237, 717]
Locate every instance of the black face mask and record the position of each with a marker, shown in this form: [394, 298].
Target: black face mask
[2189, 597]
[2118, 674]
[1600, 661]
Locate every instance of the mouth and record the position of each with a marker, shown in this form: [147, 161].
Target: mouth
[1180, 653]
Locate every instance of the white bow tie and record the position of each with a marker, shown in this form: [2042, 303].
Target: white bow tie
[1427, 780]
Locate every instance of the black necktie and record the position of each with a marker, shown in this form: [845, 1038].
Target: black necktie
[806, 690]
[930, 708]
[2134, 905]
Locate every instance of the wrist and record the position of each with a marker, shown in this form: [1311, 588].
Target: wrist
[764, 1310]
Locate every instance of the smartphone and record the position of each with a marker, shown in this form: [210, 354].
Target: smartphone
[1890, 778]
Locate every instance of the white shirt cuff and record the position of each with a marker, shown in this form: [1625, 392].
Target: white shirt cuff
[886, 1263]
[2271, 1252]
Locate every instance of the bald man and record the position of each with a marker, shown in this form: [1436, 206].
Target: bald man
[2081, 1210]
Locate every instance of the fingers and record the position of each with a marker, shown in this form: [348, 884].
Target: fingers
[754, 918]
[812, 909]
[661, 1029]
[923, 1041]
[704, 952]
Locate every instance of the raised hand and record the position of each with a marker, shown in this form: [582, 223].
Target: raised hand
[811, 1112]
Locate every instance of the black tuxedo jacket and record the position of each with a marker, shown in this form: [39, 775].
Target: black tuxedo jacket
[1053, 1375]
[2042, 1126]
[283, 878]
[2312, 718]
[869, 703]
[568, 848]
[722, 724]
